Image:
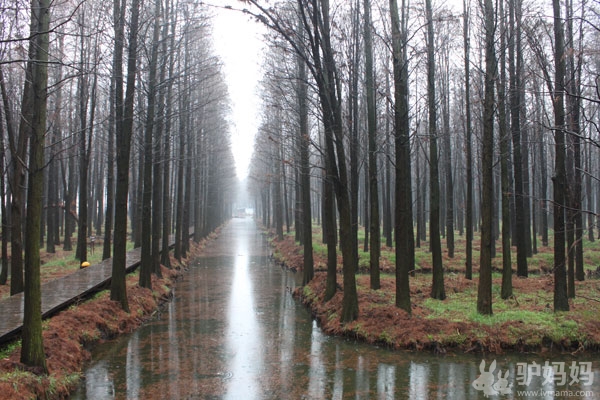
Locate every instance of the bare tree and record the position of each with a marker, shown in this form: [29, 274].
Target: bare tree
[405, 247]
[561, 301]
[484, 293]
[468, 143]
[437, 287]
[375, 242]
[123, 133]
[32, 347]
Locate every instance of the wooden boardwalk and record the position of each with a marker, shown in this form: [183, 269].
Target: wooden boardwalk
[59, 293]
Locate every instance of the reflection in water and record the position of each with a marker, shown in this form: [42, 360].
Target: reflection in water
[419, 381]
[132, 368]
[173, 350]
[99, 382]
[244, 344]
[386, 381]
[316, 375]
[234, 331]
[338, 385]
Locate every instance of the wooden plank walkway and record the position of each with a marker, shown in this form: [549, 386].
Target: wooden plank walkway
[59, 293]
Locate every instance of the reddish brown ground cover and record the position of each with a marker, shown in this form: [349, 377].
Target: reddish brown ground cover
[380, 322]
[525, 322]
[69, 334]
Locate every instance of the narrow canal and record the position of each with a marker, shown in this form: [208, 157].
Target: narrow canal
[233, 331]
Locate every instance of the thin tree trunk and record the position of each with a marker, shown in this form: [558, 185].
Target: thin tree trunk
[148, 223]
[3, 211]
[387, 200]
[277, 196]
[561, 301]
[329, 221]
[449, 203]
[514, 46]
[405, 248]
[484, 293]
[507, 288]
[375, 242]
[110, 175]
[437, 286]
[469, 146]
[18, 148]
[305, 211]
[167, 198]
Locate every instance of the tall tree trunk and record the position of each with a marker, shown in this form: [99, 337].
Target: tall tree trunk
[354, 123]
[449, 203]
[507, 288]
[146, 264]
[276, 183]
[187, 197]
[137, 192]
[437, 286]
[420, 208]
[85, 139]
[52, 214]
[375, 242]
[468, 146]
[484, 293]
[183, 126]
[574, 106]
[18, 148]
[544, 178]
[561, 301]
[589, 194]
[167, 193]
[405, 247]
[124, 131]
[160, 160]
[514, 46]
[305, 209]
[110, 175]
[286, 212]
[167, 208]
[387, 190]
[366, 213]
[3, 216]
[99, 191]
[32, 347]
[7, 228]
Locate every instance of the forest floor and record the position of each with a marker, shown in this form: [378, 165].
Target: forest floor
[524, 322]
[69, 335]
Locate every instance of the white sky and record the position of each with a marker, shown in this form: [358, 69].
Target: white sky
[238, 42]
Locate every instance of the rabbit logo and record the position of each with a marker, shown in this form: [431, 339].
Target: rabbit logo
[486, 382]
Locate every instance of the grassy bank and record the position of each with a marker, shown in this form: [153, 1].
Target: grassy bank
[524, 322]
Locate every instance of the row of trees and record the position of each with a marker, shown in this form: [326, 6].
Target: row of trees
[116, 113]
[385, 92]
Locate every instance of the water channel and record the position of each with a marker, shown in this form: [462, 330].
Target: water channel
[233, 331]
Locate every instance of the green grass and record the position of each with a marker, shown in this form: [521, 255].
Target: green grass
[308, 293]
[7, 349]
[68, 261]
[319, 248]
[544, 323]
[69, 380]
[16, 376]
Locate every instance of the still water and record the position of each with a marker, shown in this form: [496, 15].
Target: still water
[233, 331]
